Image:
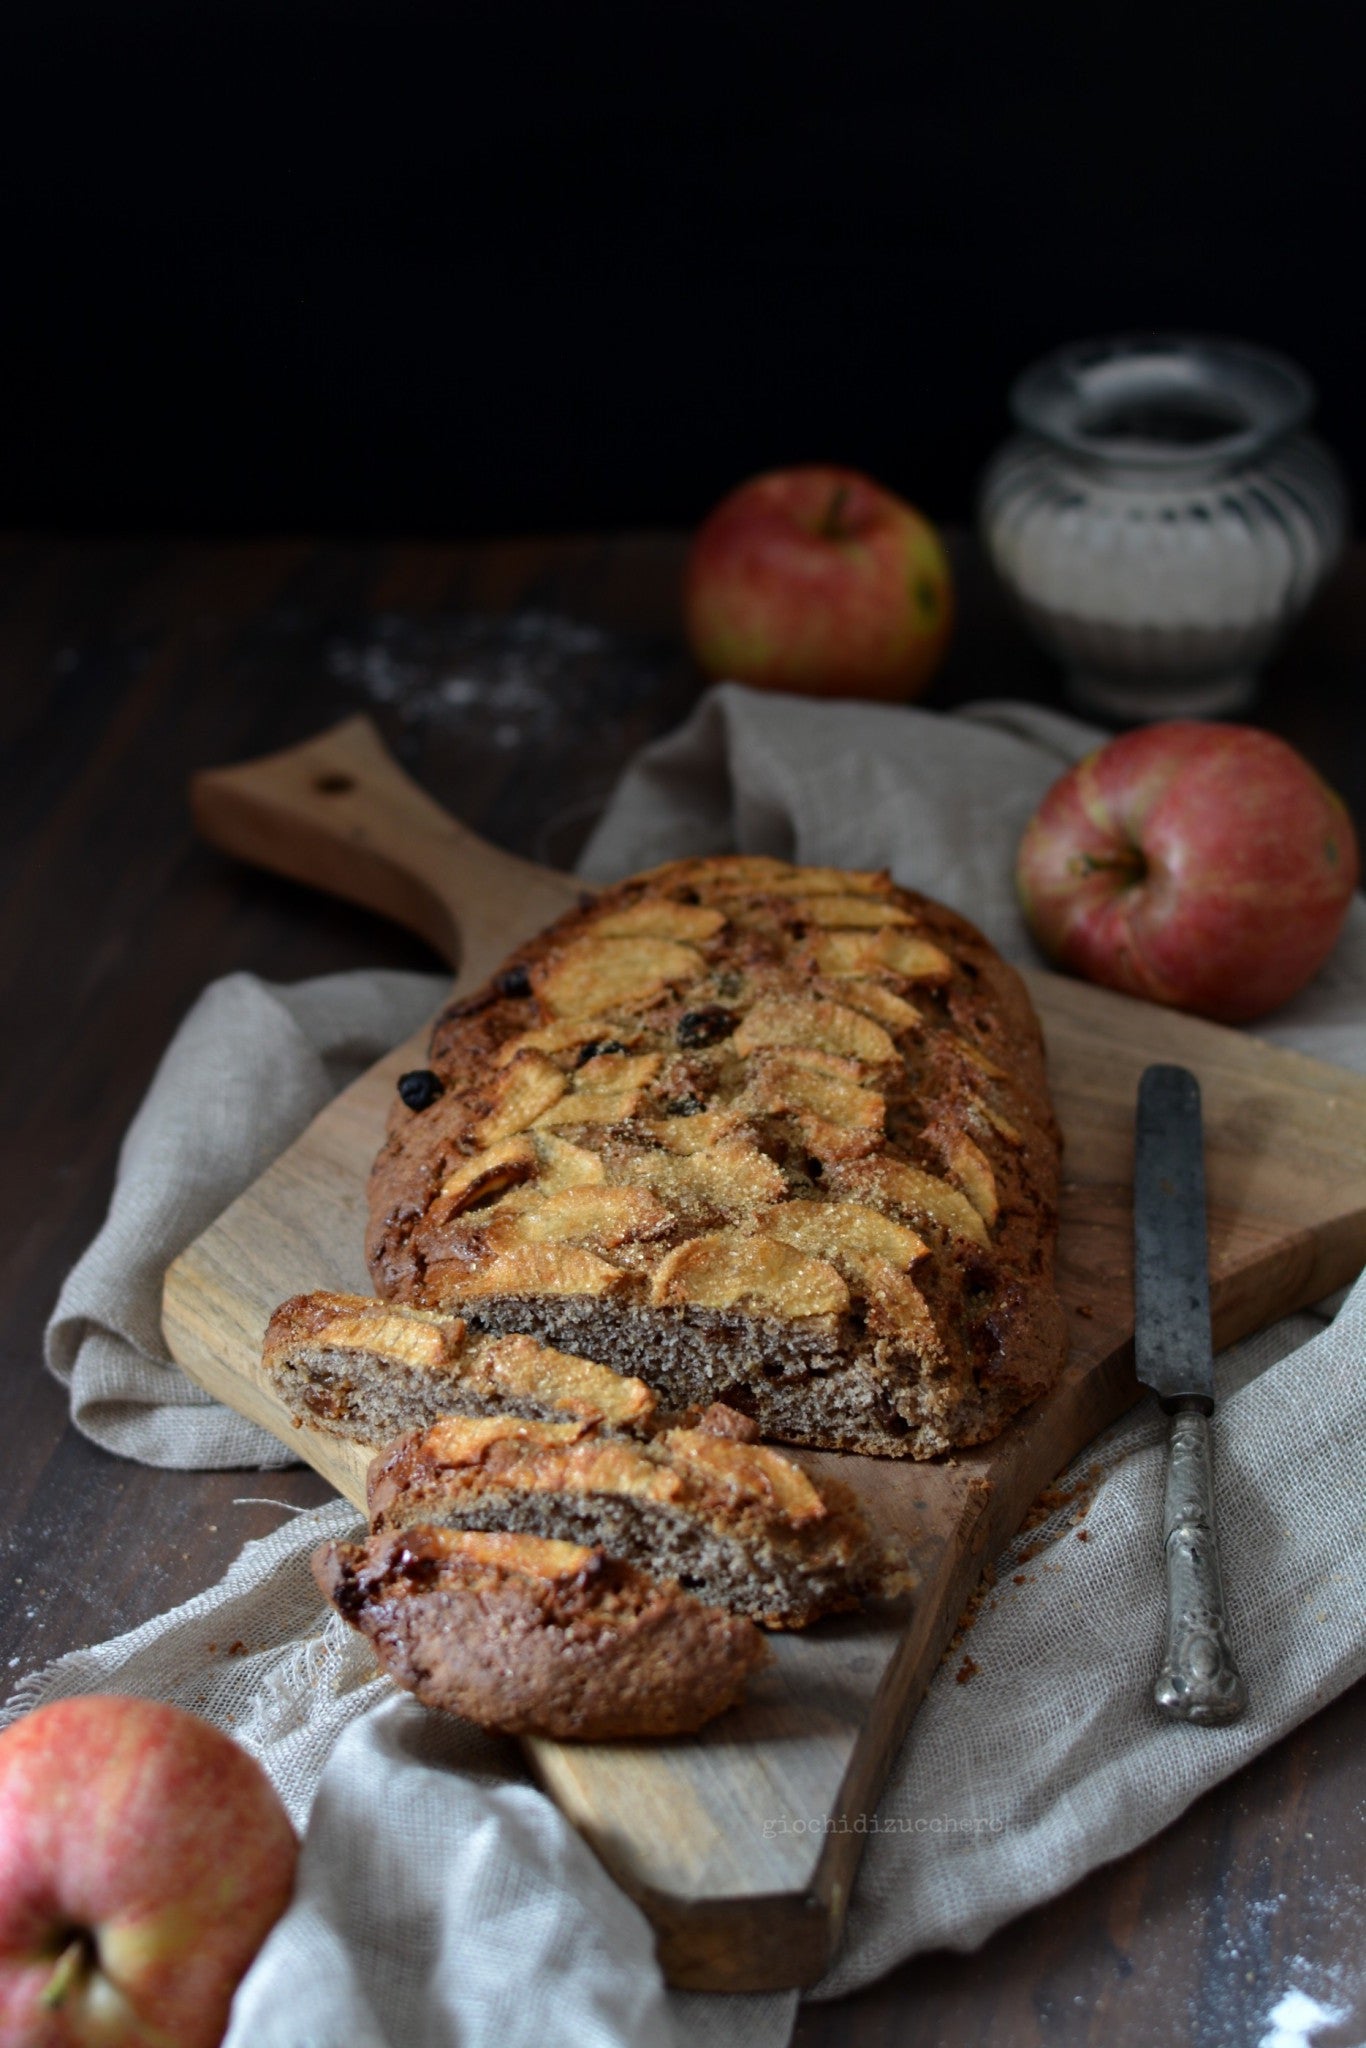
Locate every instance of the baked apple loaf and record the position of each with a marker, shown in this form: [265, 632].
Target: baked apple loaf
[367, 1370]
[734, 1521]
[774, 1135]
[536, 1637]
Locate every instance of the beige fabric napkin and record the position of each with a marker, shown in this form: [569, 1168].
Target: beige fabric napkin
[1010, 1787]
[248, 1070]
[442, 1901]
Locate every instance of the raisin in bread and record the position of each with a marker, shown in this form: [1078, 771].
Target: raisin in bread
[736, 1522]
[773, 1135]
[539, 1638]
[367, 1370]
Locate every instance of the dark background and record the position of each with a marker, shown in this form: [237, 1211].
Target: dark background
[411, 267]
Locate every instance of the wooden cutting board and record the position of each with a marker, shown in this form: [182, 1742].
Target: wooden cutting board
[702, 1832]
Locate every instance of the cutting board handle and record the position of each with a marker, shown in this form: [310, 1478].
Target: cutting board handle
[340, 814]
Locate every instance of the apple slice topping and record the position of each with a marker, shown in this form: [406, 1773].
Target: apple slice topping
[568, 1035]
[598, 1217]
[843, 1232]
[923, 1196]
[733, 1177]
[865, 913]
[757, 1274]
[523, 1092]
[526, 1269]
[655, 917]
[488, 1173]
[897, 952]
[594, 973]
[822, 1026]
[970, 1169]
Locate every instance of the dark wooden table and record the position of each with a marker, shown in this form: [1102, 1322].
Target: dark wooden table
[125, 665]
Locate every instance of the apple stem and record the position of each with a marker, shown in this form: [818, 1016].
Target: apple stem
[833, 528]
[72, 1965]
[1132, 864]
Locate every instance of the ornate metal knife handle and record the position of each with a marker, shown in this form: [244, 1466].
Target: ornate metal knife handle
[1199, 1680]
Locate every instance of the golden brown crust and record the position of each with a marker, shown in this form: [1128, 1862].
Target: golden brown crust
[753, 1529]
[637, 1104]
[536, 1637]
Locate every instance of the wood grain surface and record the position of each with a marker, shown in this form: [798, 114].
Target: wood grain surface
[700, 1831]
[129, 664]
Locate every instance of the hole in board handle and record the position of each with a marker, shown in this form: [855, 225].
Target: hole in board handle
[334, 785]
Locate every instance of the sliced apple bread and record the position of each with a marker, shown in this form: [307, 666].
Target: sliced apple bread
[536, 1637]
[367, 1370]
[736, 1522]
[769, 1134]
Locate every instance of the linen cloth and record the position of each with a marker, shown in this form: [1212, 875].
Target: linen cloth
[1010, 1787]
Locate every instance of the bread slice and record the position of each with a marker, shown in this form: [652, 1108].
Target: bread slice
[772, 1135]
[366, 1370]
[539, 1638]
[738, 1523]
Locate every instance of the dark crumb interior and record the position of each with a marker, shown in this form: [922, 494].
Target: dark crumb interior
[753, 1578]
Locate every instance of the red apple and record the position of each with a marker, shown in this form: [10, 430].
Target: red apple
[143, 1859]
[1205, 866]
[818, 580]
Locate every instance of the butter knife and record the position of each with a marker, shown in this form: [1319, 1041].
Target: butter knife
[1198, 1679]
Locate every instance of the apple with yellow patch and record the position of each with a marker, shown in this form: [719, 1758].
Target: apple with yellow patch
[1204, 866]
[819, 581]
[144, 1858]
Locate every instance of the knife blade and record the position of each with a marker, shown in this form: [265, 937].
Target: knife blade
[1198, 1679]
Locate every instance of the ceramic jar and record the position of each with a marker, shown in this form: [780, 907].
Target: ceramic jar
[1162, 517]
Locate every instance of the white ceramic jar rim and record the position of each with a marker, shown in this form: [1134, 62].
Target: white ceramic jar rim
[1162, 402]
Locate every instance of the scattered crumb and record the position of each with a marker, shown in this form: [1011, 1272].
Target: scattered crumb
[237, 1649]
[966, 1670]
[1083, 1308]
[1083, 1535]
[1053, 1498]
[970, 1612]
[211, 1648]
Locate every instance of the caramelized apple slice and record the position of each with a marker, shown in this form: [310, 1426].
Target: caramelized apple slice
[500, 1166]
[530, 1269]
[923, 1196]
[747, 1473]
[592, 974]
[970, 1169]
[411, 1336]
[567, 1036]
[895, 1308]
[606, 1090]
[897, 952]
[523, 1091]
[843, 1231]
[733, 1177]
[655, 917]
[598, 1217]
[877, 1001]
[521, 1367]
[864, 913]
[757, 1274]
[822, 1026]
[837, 1118]
[564, 1165]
